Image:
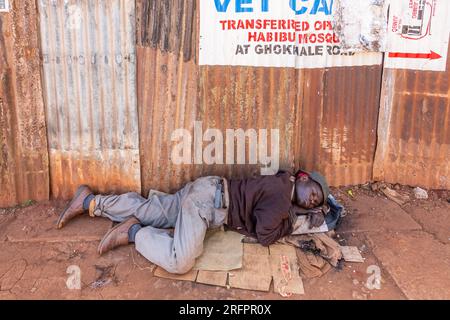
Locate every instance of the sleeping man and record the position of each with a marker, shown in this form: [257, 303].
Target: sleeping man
[169, 229]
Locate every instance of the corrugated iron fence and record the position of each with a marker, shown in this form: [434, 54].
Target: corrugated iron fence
[89, 71]
[414, 129]
[24, 172]
[111, 106]
[327, 117]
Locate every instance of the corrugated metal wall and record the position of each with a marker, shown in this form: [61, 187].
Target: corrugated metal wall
[89, 63]
[327, 117]
[414, 129]
[24, 171]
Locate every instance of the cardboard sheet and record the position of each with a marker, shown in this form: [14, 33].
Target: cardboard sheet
[352, 254]
[255, 273]
[213, 278]
[285, 270]
[223, 251]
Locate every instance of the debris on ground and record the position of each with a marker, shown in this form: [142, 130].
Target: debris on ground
[393, 195]
[377, 186]
[359, 296]
[352, 254]
[106, 276]
[75, 254]
[319, 244]
[312, 266]
[420, 193]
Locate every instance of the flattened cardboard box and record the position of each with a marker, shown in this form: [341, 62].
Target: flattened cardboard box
[260, 265]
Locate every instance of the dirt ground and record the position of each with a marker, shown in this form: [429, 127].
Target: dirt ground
[410, 244]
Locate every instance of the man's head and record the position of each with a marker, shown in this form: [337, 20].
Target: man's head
[311, 190]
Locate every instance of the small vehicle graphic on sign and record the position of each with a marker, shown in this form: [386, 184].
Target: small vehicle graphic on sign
[418, 24]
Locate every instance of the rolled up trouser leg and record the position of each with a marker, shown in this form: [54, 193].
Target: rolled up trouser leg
[177, 254]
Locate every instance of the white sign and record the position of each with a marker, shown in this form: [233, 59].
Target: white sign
[274, 33]
[418, 34]
[4, 5]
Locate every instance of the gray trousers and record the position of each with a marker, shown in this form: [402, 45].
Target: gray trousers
[190, 212]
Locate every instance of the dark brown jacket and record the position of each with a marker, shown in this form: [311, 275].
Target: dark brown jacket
[259, 207]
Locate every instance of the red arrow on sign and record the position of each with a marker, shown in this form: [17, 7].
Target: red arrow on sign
[432, 55]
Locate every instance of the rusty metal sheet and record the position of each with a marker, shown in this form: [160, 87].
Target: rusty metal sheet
[24, 171]
[250, 98]
[89, 62]
[414, 129]
[166, 25]
[338, 130]
[173, 93]
[327, 117]
[168, 84]
[167, 100]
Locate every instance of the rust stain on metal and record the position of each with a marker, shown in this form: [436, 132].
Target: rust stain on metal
[414, 144]
[339, 114]
[167, 100]
[167, 25]
[89, 62]
[24, 171]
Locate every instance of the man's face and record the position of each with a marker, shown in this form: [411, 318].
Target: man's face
[309, 194]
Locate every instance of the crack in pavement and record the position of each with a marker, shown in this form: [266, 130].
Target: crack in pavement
[426, 230]
[20, 277]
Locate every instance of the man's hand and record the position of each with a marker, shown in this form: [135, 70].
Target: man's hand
[316, 218]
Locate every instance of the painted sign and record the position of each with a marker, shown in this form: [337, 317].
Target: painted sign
[4, 5]
[418, 34]
[274, 33]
